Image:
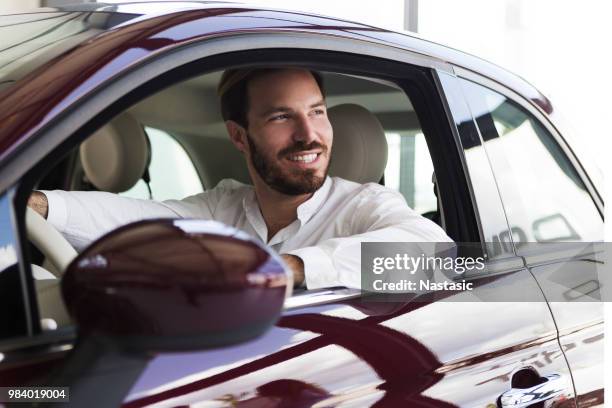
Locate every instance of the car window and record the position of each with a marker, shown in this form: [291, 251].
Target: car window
[544, 198]
[12, 304]
[410, 169]
[190, 150]
[172, 173]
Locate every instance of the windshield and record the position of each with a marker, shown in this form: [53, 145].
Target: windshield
[30, 40]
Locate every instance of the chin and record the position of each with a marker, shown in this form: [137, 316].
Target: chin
[304, 184]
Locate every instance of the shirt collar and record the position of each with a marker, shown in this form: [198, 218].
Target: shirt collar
[305, 211]
[308, 208]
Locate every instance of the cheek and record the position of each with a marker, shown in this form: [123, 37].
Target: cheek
[277, 136]
[271, 147]
[327, 133]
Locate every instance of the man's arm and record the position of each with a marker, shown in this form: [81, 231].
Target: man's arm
[83, 216]
[38, 202]
[380, 216]
[296, 266]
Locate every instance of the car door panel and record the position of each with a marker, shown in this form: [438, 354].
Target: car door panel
[576, 304]
[358, 354]
[547, 203]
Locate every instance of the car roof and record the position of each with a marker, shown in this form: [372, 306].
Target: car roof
[413, 41]
[148, 19]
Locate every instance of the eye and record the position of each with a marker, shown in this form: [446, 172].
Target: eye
[279, 117]
[319, 112]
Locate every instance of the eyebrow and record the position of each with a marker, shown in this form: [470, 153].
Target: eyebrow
[287, 109]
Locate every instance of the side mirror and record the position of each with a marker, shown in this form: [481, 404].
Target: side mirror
[168, 285]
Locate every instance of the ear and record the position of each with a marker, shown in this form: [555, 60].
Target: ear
[238, 135]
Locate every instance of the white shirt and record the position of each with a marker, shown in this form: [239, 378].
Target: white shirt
[326, 235]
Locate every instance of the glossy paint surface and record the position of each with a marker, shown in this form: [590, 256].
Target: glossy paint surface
[174, 278]
[459, 352]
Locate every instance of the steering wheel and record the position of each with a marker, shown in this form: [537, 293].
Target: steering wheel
[49, 241]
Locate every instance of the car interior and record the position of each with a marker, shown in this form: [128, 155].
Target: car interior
[173, 144]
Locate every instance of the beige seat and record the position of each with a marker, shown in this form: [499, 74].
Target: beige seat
[117, 155]
[114, 159]
[360, 147]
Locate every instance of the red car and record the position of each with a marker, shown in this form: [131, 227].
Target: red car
[173, 313]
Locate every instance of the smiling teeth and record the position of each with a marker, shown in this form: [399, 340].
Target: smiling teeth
[307, 158]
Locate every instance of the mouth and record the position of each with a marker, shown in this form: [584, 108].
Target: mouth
[305, 158]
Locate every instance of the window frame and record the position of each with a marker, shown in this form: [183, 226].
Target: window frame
[453, 95]
[19, 284]
[51, 145]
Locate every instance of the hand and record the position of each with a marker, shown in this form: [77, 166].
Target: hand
[296, 265]
[38, 202]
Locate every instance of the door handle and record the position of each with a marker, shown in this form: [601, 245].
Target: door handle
[552, 387]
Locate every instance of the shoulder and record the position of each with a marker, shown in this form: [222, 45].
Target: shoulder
[231, 185]
[229, 189]
[351, 188]
[226, 189]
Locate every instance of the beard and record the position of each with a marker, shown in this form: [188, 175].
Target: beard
[287, 181]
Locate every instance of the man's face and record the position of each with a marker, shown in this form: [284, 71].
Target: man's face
[289, 134]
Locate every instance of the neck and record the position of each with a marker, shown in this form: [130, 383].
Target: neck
[277, 209]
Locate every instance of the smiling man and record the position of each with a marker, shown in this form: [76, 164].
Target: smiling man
[284, 133]
[277, 117]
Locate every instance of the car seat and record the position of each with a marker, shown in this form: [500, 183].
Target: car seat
[116, 156]
[360, 148]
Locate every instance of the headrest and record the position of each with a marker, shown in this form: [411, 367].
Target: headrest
[359, 150]
[117, 155]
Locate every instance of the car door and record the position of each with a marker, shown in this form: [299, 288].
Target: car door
[557, 221]
[332, 349]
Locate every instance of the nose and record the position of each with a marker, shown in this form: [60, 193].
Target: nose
[305, 130]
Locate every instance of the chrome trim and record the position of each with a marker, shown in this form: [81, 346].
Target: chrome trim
[554, 386]
[453, 125]
[320, 297]
[501, 266]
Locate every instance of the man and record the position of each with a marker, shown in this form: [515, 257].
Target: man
[277, 118]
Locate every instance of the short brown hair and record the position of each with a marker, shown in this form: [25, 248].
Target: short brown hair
[232, 91]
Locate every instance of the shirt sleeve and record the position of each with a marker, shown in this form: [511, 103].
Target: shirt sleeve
[380, 215]
[83, 216]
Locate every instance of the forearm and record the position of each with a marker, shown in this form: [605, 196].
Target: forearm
[84, 216]
[337, 261]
